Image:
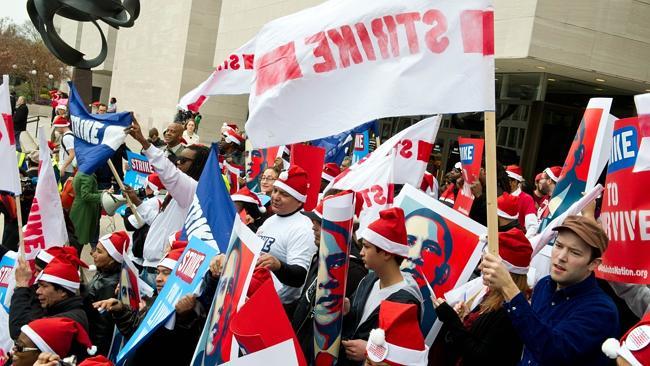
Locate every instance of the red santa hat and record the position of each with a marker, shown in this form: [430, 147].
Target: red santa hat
[154, 183]
[96, 361]
[388, 232]
[295, 181]
[330, 171]
[515, 250]
[171, 258]
[116, 244]
[514, 172]
[245, 195]
[60, 121]
[633, 347]
[55, 335]
[398, 340]
[554, 173]
[539, 177]
[63, 272]
[62, 106]
[231, 136]
[46, 255]
[508, 206]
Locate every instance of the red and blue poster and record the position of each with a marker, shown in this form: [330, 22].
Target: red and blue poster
[586, 159]
[185, 279]
[333, 262]
[217, 344]
[257, 161]
[361, 146]
[471, 155]
[625, 213]
[444, 249]
[311, 159]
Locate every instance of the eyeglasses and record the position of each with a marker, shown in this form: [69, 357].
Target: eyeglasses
[22, 349]
[183, 160]
[268, 178]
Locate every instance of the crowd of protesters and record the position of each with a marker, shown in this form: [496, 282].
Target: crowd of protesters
[562, 319]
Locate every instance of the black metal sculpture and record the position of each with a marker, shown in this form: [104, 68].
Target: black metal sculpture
[115, 13]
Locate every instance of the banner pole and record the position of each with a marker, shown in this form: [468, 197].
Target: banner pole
[128, 200]
[21, 236]
[491, 181]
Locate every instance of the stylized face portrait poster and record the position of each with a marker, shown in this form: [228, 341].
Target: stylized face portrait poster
[471, 155]
[586, 159]
[625, 212]
[333, 258]
[216, 344]
[257, 160]
[443, 250]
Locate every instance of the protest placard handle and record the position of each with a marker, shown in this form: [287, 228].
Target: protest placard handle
[128, 200]
[491, 181]
[21, 236]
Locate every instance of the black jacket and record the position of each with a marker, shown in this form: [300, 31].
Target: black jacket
[101, 287]
[302, 319]
[491, 340]
[20, 117]
[351, 327]
[25, 307]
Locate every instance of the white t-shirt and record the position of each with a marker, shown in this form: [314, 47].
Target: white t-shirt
[67, 143]
[377, 295]
[290, 239]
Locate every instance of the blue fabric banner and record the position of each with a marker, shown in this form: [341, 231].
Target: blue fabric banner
[97, 136]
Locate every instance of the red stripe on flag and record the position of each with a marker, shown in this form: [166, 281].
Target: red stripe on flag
[194, 107]
[477, 29]
[276, 67]
[9, 124]
[424, 150]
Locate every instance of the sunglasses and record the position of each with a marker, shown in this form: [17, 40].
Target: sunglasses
[22, 349]
[183, 160]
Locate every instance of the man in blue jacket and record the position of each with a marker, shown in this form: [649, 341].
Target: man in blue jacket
[569, 316]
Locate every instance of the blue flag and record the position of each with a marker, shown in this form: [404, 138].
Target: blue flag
[212, 213]
[185, 279]
[97, 136]
[337, 146]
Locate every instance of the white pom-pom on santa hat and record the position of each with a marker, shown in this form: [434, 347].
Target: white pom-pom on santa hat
[377, 336]
[610, 348]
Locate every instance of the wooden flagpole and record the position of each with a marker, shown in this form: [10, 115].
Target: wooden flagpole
[491, 181]
[128, 200]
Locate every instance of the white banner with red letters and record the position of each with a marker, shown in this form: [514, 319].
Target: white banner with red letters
[10, 179]
[625, 214]
[234, 76]
[328, 68]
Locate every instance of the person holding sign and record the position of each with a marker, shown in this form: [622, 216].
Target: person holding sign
[385, 246]
[569, 316]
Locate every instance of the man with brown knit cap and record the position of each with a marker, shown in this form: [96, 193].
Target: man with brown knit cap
[569, 316]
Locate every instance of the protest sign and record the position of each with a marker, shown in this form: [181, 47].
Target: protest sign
[45, 226]
[311, 159]
[185, 279]
[361, 146]
[233, 76]
[139, 169]
[333, 262]
[586, 159]
[394, 59]
[211, 216]
[471, 155]
[257, 161]
[281, 354]
[443, 250]
[7, 283]
[625, 213]
[10, 179]
[216, 344]
[97, 136]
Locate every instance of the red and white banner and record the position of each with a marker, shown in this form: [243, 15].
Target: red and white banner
[326, 69]
[9, 179]
[471, 155]
[45, 225]
[625, 214]
[234, 76]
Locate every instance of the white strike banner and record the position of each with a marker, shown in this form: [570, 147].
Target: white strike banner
[326, 69]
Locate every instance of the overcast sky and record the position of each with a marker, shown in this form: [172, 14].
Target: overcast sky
[14, 9]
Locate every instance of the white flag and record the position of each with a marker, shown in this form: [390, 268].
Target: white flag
[9, 179]
[45, 225]
[325, 69]
[234, 76]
